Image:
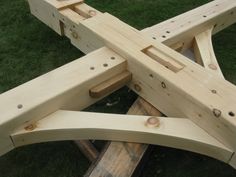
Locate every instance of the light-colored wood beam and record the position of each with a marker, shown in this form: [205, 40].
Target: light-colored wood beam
[68, 125]
[204, 52]
[184, 27]
[64, 88]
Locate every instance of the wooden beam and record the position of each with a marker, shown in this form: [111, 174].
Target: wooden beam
[204, 52]
[184, 27]
[69, 125]
[64, 88]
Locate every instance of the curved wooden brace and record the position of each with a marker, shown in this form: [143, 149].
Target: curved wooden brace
[68, 125]
[204, 52]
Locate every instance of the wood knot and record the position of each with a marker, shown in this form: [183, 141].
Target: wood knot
[216, 112]
[137, 88]
[31, 127]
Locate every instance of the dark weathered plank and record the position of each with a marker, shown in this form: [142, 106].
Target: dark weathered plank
[87, 148]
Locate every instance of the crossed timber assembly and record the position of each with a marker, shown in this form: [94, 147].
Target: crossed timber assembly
[46, 108]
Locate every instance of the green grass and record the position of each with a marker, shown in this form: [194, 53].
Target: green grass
[28, 49]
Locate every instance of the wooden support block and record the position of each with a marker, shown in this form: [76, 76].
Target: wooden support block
[87, 148]
[111, 85]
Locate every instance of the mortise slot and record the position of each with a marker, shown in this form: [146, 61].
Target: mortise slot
[163, 59]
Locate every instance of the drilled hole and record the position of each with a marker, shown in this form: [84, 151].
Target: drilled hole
[92, 68]
[168, 32]
[231, 114]
[113, 58]
[204, 16]
[151, 76]
[214, 91]
[105, 65]
[19, 106]
[154, 38]
[164, 36]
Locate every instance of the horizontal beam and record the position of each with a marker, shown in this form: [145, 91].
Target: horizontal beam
[64, 88]
[179, 30]
[183, 28]
[67, 125]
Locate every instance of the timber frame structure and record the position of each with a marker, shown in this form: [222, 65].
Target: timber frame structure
[199, 102]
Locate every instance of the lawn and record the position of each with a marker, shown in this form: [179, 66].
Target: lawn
[28, 49]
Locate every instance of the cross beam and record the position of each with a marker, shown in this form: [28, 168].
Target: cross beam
[119, 55]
